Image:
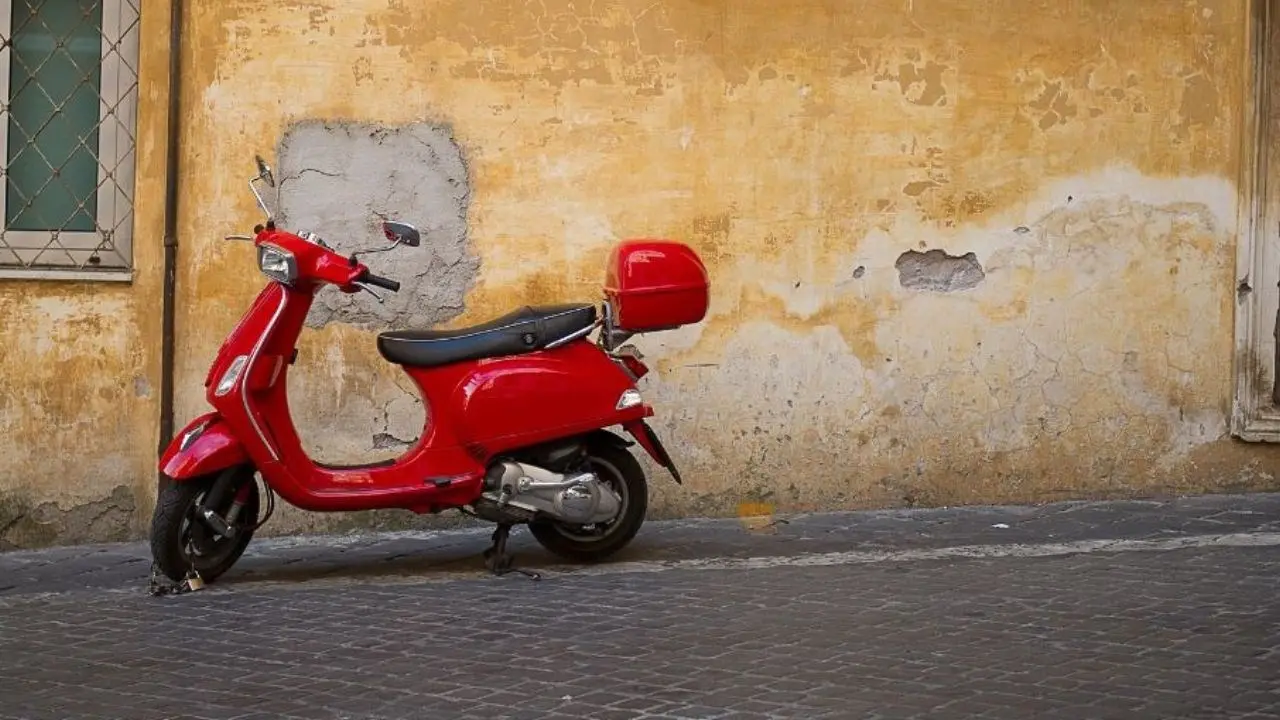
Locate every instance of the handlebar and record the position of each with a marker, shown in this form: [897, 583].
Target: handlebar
[377, 281]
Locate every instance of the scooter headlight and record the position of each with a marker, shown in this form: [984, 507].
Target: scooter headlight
[277, 264]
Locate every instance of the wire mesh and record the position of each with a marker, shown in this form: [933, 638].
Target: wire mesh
[67, 133]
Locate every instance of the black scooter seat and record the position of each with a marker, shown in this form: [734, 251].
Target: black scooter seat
[522, 331]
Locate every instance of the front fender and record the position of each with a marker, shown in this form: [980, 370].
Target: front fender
[205, 446]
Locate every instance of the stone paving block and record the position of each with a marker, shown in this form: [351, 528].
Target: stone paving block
[1185, 633]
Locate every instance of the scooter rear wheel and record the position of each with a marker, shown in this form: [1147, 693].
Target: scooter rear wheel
[617, 468]
[180, 541]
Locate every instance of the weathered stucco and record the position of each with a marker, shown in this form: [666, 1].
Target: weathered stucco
[961, 251]
[79, 367]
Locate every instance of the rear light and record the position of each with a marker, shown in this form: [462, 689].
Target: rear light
[629, 399]
[632, 360]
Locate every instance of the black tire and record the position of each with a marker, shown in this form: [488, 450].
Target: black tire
[174, 523]
[617, 467]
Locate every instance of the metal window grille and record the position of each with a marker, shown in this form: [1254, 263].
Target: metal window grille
[67, 137]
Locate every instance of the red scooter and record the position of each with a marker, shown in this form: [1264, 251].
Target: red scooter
[517, 411]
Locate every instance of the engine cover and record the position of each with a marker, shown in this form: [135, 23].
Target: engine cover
[578, 498]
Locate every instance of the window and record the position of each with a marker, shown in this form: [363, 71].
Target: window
[70, 86]
[1255, 411]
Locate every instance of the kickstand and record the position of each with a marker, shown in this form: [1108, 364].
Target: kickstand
[499, 561]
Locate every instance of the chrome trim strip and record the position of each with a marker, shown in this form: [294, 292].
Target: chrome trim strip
[248, 368]
[572, 336]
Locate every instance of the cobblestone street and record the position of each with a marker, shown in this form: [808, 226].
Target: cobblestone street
[1082, 610]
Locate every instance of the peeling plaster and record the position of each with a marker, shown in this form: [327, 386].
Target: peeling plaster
[1047, 352]
[937, 271]
[104, 519]
[341, 180]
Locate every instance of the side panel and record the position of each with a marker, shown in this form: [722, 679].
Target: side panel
[206, 445]
[509, 402]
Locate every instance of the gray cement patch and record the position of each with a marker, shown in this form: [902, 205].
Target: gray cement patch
[341, 180]
[938, 271]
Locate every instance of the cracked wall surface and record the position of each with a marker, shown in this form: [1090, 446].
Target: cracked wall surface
[107, 519]
[1084, 156]
[341, 180]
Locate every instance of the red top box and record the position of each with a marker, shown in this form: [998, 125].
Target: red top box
[655, 285]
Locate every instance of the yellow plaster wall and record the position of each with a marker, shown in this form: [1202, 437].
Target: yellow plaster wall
[1087, 153]
[80, 362]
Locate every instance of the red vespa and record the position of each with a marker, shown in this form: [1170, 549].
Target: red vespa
[517, 412]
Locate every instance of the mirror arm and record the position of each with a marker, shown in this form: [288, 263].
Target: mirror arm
[258, 196]
[393, 246]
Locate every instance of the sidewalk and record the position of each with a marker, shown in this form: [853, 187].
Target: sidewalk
[1072, 610]
[423, 555]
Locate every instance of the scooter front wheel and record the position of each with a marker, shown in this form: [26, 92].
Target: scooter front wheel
[181, 542]
[617, 468]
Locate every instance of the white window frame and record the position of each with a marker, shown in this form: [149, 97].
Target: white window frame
[118, 121]
[1255, 416]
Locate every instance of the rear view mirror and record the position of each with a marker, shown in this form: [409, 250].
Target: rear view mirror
[401, 233]
[264, 171]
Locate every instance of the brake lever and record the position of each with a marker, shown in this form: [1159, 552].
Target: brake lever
[369, 290]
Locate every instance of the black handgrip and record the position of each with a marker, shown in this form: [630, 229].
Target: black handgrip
[385, 283]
